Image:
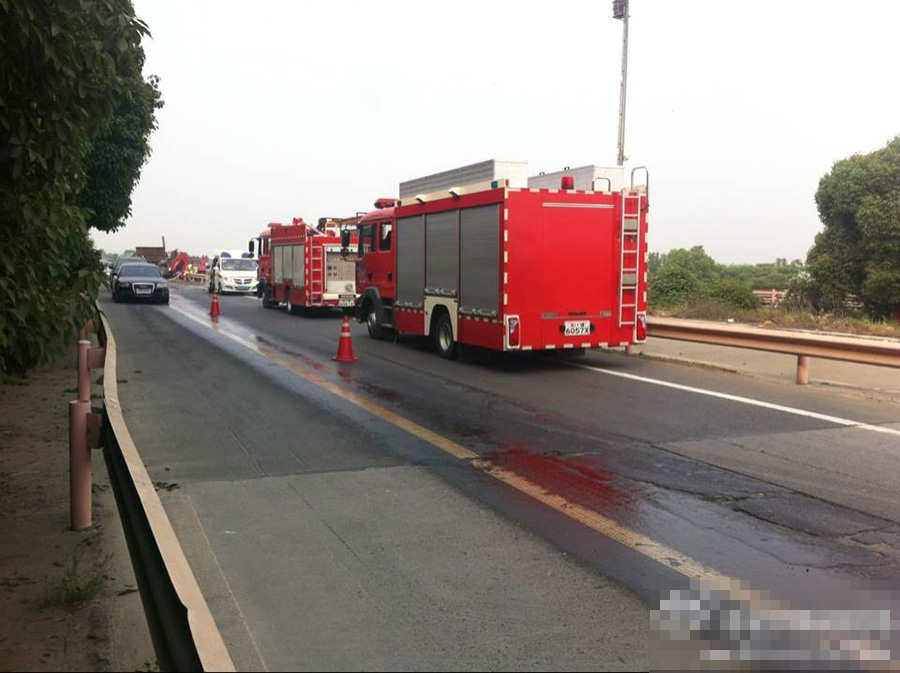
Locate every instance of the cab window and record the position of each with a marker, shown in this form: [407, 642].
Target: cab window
[366, 238]
[385, 240]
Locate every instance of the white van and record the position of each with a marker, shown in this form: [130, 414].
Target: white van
[232, 271]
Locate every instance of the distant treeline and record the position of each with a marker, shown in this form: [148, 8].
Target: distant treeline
[684, 276]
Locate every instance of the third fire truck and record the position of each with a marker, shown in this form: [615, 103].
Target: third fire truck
[486, 256]
[303, 266]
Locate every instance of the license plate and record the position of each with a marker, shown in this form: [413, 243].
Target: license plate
[577, 328]
[142, 290]
[347, 297]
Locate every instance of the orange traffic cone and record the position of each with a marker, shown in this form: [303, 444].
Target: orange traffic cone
[214, 309]
[345, 346]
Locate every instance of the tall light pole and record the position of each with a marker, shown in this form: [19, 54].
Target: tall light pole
[620, 11]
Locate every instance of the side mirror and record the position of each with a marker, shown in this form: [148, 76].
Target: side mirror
[251, 246]
[345, 238]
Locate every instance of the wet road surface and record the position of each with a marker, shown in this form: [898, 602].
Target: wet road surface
[516, 512]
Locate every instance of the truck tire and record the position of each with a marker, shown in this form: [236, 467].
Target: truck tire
[373, 323]
[289, 305]
[266, 300]
[443, 337]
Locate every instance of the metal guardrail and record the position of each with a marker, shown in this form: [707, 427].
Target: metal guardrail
[185, 636]
[878, 352]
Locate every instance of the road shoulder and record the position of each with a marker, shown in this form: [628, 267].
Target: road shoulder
[68, 598]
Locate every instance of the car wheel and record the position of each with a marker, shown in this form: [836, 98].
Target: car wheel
[443, 337]
[373, 324]
[115, 297]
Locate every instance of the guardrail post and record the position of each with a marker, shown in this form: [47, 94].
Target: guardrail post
[802, 370]
[79, 466]
[84, 432]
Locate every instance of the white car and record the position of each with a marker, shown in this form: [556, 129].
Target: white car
[232, 271]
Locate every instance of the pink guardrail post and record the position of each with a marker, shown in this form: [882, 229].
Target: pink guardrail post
[84, 434]
[802, 370]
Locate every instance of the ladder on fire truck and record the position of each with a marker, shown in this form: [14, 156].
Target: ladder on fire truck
[316, 275]
[634, 201]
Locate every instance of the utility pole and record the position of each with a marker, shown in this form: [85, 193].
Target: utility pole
[620, 11]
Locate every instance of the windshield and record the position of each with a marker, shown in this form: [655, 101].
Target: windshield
[238, 265]
[140, 271]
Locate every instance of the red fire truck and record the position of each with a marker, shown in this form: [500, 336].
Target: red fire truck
[305, 267]
[476, 256]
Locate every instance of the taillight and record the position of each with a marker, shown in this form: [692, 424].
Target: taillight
[641, 328]
[513, 333]
[567, 182]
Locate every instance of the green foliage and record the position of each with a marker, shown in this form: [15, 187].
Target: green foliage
[65, 75]
[118, 154]
[690, 275]
[674, 285]
[858, 252]
[734, 293]
[696, 261]
[655, 260]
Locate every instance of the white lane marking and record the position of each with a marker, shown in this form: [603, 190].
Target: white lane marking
[747, 400]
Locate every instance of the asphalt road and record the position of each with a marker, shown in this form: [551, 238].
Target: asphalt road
[495, 513]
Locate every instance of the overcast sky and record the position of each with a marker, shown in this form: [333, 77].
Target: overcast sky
[282, 109]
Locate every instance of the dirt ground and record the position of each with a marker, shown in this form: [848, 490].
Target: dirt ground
[68, 600]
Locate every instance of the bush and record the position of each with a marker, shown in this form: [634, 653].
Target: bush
[673, 286]
[734, 293]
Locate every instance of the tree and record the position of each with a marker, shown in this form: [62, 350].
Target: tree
[118, 154]
[697, 262]
[858, 251]
[60, 85]
[674, 285]
[655, 261]
[734, 293]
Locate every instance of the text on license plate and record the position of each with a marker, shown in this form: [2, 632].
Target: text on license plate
[143, 290]
[577, 328]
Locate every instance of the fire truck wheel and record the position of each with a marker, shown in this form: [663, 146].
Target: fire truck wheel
[373, 324]
[443, 337]
[267, 301]
[289, 305]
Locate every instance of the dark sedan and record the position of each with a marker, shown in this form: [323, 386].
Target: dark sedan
[140, 282]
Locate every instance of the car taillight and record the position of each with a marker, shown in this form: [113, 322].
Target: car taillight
[513, 332]
[641, 328]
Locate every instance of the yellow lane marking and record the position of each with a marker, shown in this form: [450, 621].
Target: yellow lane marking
[603, 525]
[444, 444]
[642, 544]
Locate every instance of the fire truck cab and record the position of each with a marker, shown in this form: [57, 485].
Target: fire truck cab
[485, 256]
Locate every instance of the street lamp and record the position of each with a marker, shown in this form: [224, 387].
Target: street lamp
[620, 11]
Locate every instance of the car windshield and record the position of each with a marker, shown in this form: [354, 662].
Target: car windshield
[238, 265]
[140, 271]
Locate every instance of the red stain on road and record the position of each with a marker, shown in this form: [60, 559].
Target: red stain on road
[573, 478]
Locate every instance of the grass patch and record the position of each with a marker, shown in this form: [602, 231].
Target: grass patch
[77, 586]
